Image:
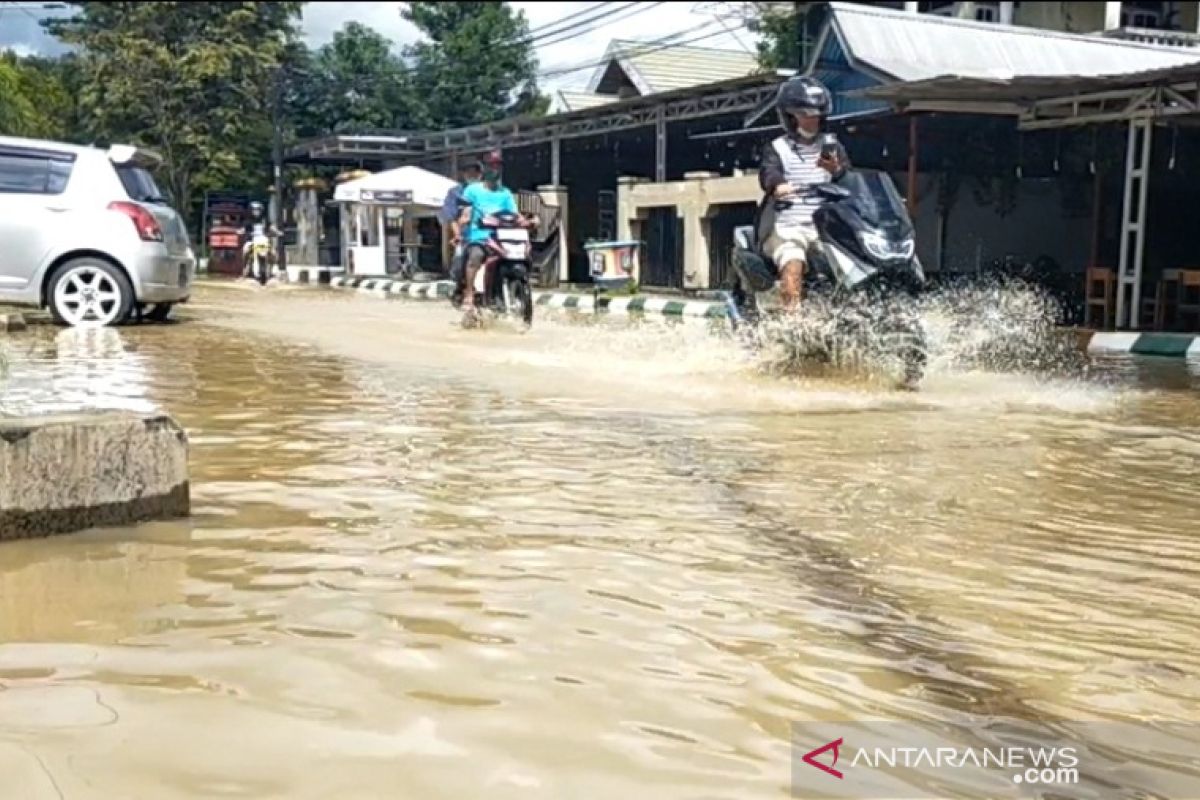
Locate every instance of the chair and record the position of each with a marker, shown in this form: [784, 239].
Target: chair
[1100, 297]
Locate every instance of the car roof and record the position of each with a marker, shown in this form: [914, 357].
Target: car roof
[47, 144]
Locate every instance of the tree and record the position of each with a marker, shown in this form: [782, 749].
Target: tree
[477, 65]
[353, 84]
[191, 80]
[36, 96]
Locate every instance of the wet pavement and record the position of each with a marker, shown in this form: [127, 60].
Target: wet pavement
[583, 561]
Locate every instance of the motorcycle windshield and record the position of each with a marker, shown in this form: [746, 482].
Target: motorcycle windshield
[877, 202]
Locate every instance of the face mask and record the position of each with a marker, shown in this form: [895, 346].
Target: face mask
[491, 176]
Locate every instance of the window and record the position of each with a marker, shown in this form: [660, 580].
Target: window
[34, 172]
[987, 13]
[139, 184]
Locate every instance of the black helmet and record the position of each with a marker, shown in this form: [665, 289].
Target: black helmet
[801, 94]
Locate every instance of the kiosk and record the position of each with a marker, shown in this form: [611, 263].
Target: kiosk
[388, 201]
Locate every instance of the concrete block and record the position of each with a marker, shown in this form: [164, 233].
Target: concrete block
[11, 323]
[66, 473]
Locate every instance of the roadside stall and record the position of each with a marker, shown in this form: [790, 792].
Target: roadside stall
[382, 211]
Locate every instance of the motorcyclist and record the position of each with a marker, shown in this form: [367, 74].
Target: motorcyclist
[256, 226]
[791, 164]
[488, 196]
[451, 208]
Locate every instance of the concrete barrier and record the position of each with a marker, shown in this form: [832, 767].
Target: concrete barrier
[66, 473]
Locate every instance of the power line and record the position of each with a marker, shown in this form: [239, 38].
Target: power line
[595, 7]
[641, 8]
[663, 44]
[542, 33]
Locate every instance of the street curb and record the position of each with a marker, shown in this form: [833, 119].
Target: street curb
[385, 287]
[1167, 345]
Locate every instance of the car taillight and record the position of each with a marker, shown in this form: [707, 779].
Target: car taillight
[147, 226]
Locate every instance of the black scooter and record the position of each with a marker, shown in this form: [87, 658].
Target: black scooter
[863, 263]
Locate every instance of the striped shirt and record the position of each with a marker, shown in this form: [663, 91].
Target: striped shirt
[799, 161]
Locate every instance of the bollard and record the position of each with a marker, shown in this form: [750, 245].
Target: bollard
[65, 473]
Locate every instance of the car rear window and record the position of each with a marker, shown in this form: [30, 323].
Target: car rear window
[139, 184]
[34, 172]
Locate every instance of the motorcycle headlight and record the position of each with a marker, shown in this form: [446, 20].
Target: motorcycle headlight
[878, 245]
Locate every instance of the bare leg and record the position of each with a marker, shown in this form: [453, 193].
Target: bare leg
[474, 262]
[791, 280]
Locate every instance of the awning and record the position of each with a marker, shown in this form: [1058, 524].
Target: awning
[406, 186]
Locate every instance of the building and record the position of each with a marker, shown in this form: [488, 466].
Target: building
[635, 69]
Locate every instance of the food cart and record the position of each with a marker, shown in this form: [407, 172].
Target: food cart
[378, 205]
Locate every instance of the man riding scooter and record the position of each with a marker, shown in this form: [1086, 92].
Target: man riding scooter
[791, 165]
[480, 200]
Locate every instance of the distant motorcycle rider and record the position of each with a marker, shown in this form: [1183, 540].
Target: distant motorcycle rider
[255, 227]
[791, 164]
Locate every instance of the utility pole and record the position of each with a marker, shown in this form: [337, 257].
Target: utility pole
[277, 158]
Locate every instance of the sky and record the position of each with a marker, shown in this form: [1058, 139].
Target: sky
[19, 29]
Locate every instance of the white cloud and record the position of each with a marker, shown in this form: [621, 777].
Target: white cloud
[20, 50]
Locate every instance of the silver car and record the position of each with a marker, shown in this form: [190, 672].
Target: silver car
[86, 233]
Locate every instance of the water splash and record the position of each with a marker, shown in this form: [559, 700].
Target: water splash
[990, 324]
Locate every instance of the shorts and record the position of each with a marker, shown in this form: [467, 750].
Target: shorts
[789, 243]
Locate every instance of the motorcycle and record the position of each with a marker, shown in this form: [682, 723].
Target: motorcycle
[502, 281]
[863, 267]
[259, 258]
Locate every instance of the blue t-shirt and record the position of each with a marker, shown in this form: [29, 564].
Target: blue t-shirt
[484, 201]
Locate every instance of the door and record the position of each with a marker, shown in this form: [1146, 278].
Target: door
[662, 259]
[31, 185]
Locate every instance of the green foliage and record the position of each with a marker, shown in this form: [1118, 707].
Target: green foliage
[36, 97]
[192, 80]
[353, 84]
[778, 45]
[475, 66]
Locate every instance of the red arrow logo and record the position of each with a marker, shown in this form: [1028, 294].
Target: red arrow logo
[810, 758]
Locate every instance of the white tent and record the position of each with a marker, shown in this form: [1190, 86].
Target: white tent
[406, 186]
[367, 205]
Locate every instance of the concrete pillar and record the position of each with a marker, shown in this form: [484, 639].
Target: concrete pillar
[911, 8]
[308, 222]
[1006, 12]
[660, 147]
[109, 469]
[555, 161]
[346, 217]
[627, 209]
[696, 229]
[556, 196]
[1112, 16]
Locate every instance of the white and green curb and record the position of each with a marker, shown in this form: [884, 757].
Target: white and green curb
[386, 287]
[627, 306]
[1168, 345]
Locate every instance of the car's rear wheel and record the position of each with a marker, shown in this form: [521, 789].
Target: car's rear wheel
[88, 292]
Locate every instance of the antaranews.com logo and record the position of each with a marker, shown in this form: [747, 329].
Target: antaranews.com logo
[999, 759]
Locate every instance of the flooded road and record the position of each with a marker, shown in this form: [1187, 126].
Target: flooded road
[580, 562]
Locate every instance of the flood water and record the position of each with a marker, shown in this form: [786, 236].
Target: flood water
[582, 562]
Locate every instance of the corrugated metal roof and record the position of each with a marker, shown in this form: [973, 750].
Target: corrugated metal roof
[566, 100]
[658, 68]
[955, 89]
[1025, 89]
[909, 47]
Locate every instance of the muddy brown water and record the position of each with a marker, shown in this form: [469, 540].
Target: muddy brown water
[582, 562]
